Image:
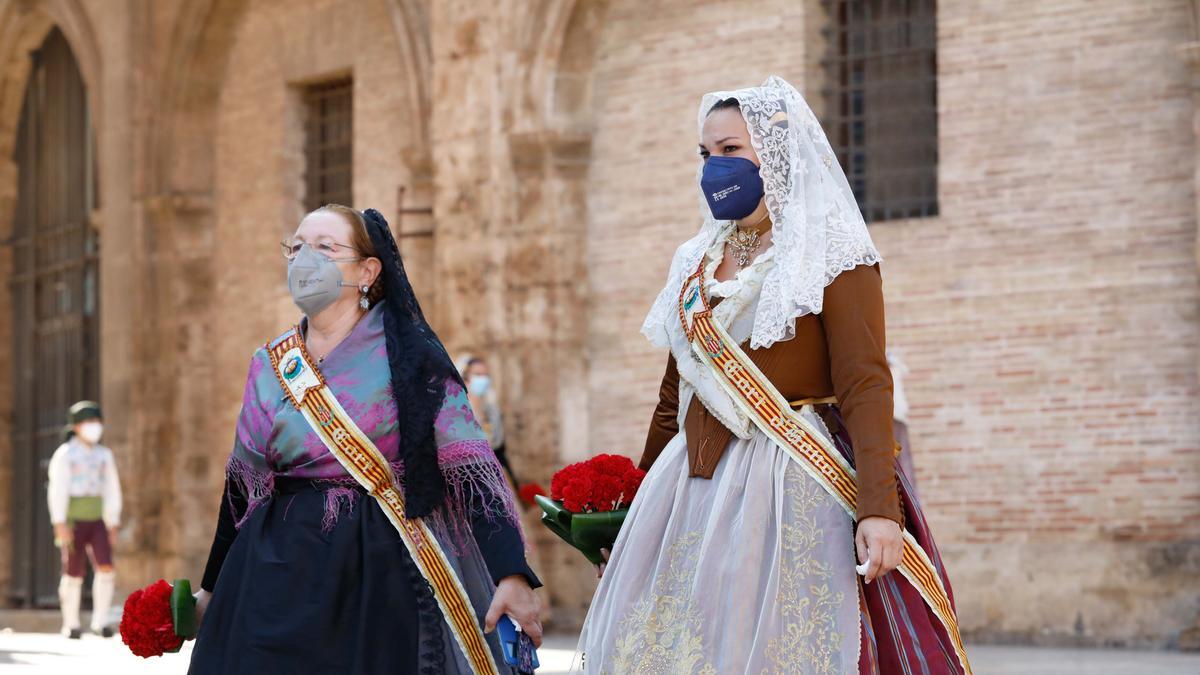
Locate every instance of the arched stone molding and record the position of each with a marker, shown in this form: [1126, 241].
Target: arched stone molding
[560, 39]
[194, 70]
[24, 26]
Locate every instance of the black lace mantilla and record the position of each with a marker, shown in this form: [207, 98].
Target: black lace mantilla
[420, 368]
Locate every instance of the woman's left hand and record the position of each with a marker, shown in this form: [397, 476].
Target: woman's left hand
[515, 598]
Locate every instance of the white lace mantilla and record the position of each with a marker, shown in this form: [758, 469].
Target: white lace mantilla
[817, 231]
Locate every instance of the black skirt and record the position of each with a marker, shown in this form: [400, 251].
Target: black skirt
[291, 598]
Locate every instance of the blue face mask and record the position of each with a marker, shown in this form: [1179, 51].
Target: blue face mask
[731, 186]
[479, 385]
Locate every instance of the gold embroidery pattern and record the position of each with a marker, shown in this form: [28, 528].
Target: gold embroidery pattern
[660, 635]
[810, 641]
[771, 414]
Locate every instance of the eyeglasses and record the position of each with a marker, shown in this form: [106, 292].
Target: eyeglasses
[291, 248]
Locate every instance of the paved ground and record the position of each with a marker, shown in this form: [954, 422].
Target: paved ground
[51, 654]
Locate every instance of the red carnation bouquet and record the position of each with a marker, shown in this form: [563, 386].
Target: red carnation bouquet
[589, 500]
[602, 483]
[158, 618]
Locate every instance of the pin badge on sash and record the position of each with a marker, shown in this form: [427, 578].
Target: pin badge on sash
[297, 375]
[293, 368]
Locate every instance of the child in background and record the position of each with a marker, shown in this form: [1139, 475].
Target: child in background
[84, 495]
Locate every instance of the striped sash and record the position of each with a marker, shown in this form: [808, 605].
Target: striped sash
[757, 398]
[358, 455]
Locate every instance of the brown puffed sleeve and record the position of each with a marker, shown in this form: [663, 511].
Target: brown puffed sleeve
[862, 381]
[665, 423]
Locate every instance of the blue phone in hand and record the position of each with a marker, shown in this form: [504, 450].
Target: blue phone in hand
[518, 648]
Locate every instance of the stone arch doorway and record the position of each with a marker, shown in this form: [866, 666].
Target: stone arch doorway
[54, 296]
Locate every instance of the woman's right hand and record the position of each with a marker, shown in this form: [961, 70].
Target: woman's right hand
[202, 598]
[601, 567]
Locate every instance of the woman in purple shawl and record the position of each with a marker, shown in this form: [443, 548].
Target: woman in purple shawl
[306, 573]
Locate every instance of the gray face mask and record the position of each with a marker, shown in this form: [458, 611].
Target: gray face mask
[314, 281]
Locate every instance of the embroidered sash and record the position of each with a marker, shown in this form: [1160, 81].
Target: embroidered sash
[761, 401]
[307, 390]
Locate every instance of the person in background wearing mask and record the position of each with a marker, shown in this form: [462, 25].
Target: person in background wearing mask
[85, 508]
[485, 403]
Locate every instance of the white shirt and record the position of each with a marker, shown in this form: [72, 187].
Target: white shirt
[77, 470]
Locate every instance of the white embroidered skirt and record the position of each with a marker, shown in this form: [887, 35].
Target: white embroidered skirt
[749, 572]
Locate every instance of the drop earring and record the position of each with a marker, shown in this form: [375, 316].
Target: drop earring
[363, 302]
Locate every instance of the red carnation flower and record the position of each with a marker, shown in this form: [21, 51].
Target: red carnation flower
[577, 493]
[612, 465]
[530, 490]
[560, 480]
[606, 492]
[146, 624]
[631, 481]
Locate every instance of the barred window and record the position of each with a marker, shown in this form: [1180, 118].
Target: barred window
[328, 143]
[880, 107]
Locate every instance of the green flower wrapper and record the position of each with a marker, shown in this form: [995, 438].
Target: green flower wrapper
[183, 609]
[587, 532]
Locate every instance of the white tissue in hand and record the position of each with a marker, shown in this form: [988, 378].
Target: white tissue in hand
[862, 569]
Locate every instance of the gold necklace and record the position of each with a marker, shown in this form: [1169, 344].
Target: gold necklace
[744, 244]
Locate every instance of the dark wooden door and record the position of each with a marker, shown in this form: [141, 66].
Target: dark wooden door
[55, 295]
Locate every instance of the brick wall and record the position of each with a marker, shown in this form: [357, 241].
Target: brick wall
[1050, 319]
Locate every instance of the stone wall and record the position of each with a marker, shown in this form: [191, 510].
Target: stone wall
[1048, 315]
